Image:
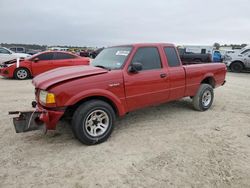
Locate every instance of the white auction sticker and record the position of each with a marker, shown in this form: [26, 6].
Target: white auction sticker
[125, 53]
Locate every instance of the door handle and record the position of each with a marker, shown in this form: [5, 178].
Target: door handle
[163, 75]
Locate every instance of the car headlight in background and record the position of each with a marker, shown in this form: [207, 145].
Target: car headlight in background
[46, 97]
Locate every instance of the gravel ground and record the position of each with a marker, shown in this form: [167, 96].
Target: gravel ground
[165, 146]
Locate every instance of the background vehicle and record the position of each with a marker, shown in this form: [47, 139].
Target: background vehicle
[40, 63]
[18, 49]
[121, 79]
[24, 50]
[199, 49]
[7, 55]
[217, 57]
[94, 53]
[188, 57]
[239, 63]
[86, 53]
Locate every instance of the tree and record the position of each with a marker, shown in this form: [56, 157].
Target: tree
[217, 45]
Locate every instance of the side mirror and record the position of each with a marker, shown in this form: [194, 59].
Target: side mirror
[135, 67]
[36, 59]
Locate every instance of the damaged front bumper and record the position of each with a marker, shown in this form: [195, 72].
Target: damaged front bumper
[39, 119]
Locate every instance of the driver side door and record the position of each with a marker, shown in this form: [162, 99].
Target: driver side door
[149, 86]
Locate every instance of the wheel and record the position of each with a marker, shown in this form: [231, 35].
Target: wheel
[203, 99]
[236, 67]
[93, 122]
[198, 60]
[21, 73]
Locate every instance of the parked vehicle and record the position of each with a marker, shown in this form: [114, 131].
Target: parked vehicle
[94, 53]
[121, 79]
[217, 57]
[199, 49]
[24, 50]
[188, 57]
[40, 63]
[86, 53]
[239, 61]
[7, 55]
[18, 49]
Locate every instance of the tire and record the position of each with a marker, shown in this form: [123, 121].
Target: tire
[204, 97]
[198, 60]
[236, 67]
[21, 74]
[93, 122]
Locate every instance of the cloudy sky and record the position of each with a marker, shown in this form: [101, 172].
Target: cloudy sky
[111, 22]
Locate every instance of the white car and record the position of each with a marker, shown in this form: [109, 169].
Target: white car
[7, 55]
[239, 60]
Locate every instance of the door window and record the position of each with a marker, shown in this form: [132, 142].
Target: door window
[60, 55]
[149, 57]
[45, 56]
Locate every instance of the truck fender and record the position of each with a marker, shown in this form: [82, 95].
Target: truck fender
[207, 76]
[120, 107]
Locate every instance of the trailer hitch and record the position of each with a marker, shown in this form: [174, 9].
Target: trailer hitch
[27, 121]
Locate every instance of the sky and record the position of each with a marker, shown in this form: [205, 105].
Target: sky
[114, 22]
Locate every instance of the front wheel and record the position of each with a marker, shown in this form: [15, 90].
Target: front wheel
[21, 74]
[93, 122]
[203, 99]
[236, 67]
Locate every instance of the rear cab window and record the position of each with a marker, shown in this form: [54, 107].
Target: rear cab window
[149, 57]
[172, 57]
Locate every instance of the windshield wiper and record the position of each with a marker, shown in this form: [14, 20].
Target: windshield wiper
[103, 67]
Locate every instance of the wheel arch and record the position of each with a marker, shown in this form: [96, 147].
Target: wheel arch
[28, 69]
[209, 80]
[111, 99]
[237, 61]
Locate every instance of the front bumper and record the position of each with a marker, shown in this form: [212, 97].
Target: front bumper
[5, 72]
[36, 120]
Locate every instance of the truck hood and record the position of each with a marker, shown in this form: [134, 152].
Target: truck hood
[55, 76]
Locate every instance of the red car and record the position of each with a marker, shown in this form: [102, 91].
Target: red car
[39, 63]
[121, 79]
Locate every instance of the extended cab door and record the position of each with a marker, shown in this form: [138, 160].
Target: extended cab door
[176, 74]
[42, 63]
[150, 85]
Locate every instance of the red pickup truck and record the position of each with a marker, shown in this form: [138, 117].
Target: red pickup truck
[121, 79]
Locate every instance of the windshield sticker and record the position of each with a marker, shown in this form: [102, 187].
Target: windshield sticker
[124, 53]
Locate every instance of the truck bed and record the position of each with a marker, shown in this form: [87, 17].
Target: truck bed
[197, 72]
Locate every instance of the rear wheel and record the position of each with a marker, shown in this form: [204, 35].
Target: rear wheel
[236, 67]
[93, 122]
[21, 74]
[198, 60]
[203, 99]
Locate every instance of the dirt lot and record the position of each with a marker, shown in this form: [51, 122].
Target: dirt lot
[166, 146]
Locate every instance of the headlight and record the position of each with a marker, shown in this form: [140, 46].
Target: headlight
[46, 97]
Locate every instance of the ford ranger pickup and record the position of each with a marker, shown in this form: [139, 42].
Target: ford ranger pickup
[121, 79]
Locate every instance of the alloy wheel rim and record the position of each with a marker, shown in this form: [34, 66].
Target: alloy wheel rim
[97, 123]
[22, 73]
[206, 98]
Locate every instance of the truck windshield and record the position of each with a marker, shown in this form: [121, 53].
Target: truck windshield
[112, 58]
